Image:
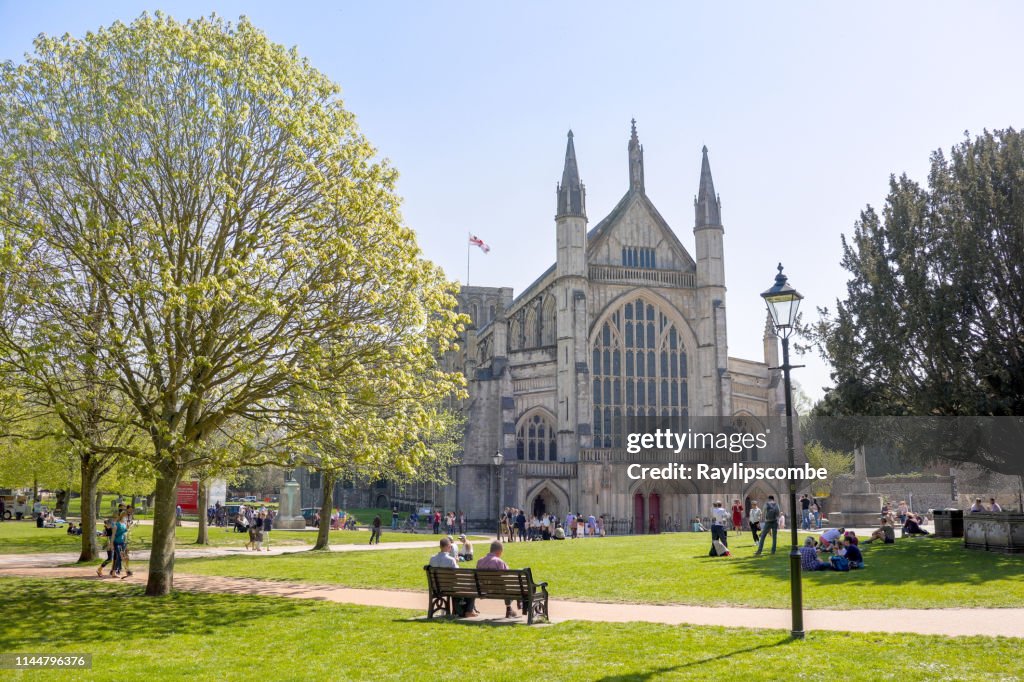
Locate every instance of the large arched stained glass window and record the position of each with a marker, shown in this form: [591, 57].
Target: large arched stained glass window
[639, 369]
[536, 439]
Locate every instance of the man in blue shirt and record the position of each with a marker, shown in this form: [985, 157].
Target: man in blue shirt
[853, 554]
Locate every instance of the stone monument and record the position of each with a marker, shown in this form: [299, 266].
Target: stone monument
[858, 506]
[289, 512]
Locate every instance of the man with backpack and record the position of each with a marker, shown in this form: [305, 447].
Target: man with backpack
[771, 524]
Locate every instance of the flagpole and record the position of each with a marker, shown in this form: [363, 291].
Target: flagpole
[468, 245]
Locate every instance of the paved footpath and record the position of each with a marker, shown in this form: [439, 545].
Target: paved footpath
[952, 622]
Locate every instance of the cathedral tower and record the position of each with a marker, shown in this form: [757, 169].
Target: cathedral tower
[573, 405]
[715, 395]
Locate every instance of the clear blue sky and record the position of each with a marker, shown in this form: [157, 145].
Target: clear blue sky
[806, 109]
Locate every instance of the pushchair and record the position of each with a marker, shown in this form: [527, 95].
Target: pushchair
[410, 526]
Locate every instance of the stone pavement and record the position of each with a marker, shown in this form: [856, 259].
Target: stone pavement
[951, 622]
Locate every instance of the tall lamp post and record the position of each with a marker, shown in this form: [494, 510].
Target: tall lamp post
[499, 477]
[783, 303]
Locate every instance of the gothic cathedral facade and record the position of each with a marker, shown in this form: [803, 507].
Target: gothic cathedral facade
[625, 323]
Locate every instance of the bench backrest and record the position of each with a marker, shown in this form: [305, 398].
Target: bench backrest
[466, 582]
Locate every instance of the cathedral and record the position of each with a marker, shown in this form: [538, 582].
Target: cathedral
[627, 322]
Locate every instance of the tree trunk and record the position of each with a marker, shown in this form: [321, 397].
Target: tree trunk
[204, 532]
[99, 503]
[90, 482]
[161, 558]
[323, 536]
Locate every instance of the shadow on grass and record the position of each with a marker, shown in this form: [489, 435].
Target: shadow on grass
[657, 672]
[83, 612]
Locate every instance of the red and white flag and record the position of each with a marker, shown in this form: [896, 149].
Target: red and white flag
[476, 241]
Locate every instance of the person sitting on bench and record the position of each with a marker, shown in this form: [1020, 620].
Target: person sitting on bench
[494, 562]
[444, 559]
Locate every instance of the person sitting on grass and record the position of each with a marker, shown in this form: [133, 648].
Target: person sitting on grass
[559, 532]
[886, 534]
[466, 552]
[830, 537]
[809, 557]
[853, 554]
[913, 526]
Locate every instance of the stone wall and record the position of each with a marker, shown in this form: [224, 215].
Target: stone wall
[921, 492]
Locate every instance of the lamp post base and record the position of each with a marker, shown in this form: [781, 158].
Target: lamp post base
[796, 594]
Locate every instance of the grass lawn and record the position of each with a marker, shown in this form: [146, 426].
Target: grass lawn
[914, 573]
[215, 637]
[23, 537]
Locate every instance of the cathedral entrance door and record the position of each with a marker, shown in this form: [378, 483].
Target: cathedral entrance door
[638, 514]
[654, 513]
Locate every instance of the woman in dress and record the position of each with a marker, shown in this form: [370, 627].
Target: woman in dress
[737, 517]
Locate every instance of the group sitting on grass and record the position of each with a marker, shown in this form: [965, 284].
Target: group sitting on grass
[844, 554]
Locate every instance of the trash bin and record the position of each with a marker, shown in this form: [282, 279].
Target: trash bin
[949, 523]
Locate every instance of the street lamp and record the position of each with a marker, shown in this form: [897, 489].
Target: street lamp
[500, 475]
[783, 303]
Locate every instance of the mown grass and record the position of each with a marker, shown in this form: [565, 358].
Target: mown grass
[217, 637]
[914, 573]
[22, 537]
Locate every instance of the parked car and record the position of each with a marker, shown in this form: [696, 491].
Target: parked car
[308, 512]
[250, 498]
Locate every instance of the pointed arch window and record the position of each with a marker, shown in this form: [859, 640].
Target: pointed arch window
[536, 439]
[639, 368]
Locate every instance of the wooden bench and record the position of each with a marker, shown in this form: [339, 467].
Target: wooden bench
[447, 584]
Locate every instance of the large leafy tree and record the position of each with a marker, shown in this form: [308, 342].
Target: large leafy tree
[933, 319]
[245, 247]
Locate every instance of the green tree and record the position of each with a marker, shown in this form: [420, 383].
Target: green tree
[246, 248]
[835, 463]
[933, 319]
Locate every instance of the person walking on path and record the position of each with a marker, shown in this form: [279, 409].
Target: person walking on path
[394, 519]
[771, 524]
[375, 531]
[268, 525]
[120, 542]
[108, 546]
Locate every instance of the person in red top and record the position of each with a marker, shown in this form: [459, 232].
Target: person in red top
[494, 562]
[737, 516]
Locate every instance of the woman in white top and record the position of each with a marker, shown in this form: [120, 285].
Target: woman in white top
[754, 519]
[466, 552]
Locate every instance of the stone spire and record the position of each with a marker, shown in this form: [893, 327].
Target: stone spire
[572, 196]
[707, 206]
[636, 162]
